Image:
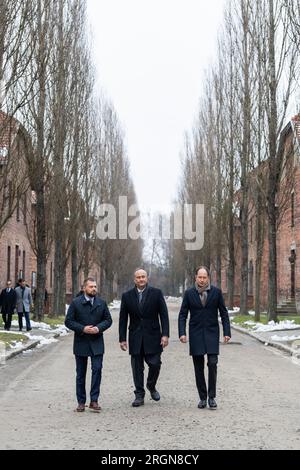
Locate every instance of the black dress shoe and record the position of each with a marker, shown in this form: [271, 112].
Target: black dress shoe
[202, 404]
[212, 403]
[154, 394]
[138, 402]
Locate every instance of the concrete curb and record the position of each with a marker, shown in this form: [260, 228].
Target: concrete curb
[30, 345]
[273, 344]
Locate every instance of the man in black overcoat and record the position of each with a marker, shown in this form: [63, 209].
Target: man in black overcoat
[146, 309]
[8, 300]
[88, 316]
[204, 302]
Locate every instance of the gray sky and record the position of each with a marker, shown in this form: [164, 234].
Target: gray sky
[151, 56]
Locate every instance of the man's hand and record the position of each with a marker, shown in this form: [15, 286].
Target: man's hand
[164, 341]
[183, 339]
[123, 346]
[90, 330]
[226, 339]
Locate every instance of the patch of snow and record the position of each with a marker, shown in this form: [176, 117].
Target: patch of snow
[235, 310]
[272, 326]
[169, 298]
[15, 344]
[284, 338]
[115, 304]
[44, 341]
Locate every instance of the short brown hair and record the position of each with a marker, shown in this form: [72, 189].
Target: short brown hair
[202, 267]
[88, 279]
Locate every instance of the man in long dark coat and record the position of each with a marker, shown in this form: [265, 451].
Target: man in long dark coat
[8, 300]
[204, 302]
[146, 309]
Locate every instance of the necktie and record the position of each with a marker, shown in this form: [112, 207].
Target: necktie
[140, 296]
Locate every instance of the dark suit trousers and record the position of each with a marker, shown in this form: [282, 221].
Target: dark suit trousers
[137, 364]
[212, 361]
[7, 317]
[27, 318]
[81, 367]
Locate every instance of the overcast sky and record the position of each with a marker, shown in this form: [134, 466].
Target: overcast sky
[151, 56]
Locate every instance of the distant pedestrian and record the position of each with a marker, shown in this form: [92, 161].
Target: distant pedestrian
[8, 299]
[24, 302]
[88, 316]
[204, 301]
[81, 292]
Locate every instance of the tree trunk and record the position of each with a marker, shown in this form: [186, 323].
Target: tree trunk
[273, 177]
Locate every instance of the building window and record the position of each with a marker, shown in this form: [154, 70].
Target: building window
[8, 262]
[17, 263]
[293, 209]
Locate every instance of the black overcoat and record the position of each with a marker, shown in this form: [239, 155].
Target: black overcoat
[8, 301]
[81, 314]
[204, 332]
[148, 321]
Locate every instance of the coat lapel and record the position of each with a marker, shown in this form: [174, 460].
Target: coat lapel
[145, 297]
[95, 304]
[135, 300]
[197, 296]
[209, 295]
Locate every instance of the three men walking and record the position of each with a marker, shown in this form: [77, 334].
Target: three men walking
[145, 309]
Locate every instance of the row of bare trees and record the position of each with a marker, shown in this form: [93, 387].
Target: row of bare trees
[234, 160]
[75, 154]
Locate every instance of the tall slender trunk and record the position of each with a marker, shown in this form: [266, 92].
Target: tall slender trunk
[38, 174]
[273, 177]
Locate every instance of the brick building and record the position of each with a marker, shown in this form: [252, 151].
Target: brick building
[17, 204]
[288, 235]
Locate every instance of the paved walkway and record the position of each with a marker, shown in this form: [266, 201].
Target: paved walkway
[257, 400]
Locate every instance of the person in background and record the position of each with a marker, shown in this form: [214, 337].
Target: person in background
[24, 302]
[8, 299]
[81, 292]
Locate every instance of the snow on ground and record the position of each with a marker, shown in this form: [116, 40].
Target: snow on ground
[16, 344]
[284, 338]
[272, 326]
[115, 304]
[234, 311]
[45, 341]
[169, 298]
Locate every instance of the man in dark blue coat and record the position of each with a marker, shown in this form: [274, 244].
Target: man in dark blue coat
[204, 302]
[146, 308]
[8, 300]
[88, 316]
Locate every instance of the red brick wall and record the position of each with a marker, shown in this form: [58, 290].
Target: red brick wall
[287, 238]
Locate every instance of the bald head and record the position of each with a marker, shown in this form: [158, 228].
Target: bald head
[140, 278]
